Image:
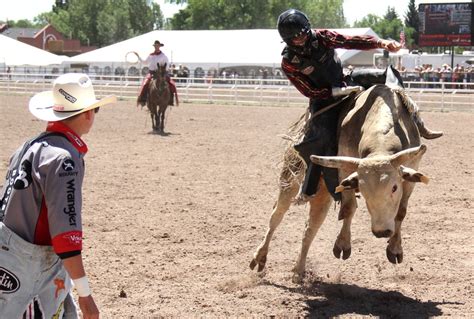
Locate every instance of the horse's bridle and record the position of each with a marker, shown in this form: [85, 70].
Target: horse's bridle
[160, 78]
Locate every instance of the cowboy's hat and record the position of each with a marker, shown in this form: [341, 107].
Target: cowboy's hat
[72, 94]
[158, 43]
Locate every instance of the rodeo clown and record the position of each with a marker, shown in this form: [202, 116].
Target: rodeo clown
[40, 207]
[313, 67]
[153, 59]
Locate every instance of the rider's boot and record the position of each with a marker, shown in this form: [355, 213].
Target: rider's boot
[143, 95]
[141, 101]
[142, 98]
[310, 185]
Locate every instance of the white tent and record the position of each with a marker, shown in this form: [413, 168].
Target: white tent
[212, 48]
[16, 53]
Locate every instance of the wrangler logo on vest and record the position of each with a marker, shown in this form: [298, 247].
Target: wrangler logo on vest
[9, 283]
[71, 208]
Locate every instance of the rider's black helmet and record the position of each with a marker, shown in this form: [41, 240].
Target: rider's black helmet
[292, 23]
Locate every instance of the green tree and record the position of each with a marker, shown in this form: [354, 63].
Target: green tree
[387, 27]
[252, 14]
[410, 37]
[42, 19]
[390, 26]
[391, 14]
[326, 13]
[369, 21]
[60, 5]
[158, 18]
[24, 23]
[113, 23]
[142, 21]
[412, 21]
[217, 14]
[104, 22]
[278, 6]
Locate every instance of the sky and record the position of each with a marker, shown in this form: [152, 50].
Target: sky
[28, 9]
[353, 9]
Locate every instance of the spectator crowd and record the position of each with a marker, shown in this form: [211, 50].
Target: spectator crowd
[428, 73]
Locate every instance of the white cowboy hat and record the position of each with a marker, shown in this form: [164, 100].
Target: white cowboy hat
[72, 94]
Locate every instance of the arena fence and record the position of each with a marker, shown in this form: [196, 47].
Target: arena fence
[432, 96]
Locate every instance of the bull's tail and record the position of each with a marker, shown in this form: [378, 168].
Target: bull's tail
[413, 109]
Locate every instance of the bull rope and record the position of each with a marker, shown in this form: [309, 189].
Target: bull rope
[293, 166]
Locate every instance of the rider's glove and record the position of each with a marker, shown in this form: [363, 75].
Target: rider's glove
[346, 90]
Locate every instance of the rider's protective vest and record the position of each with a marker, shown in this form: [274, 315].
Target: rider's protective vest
[320, 65]
[315, 68]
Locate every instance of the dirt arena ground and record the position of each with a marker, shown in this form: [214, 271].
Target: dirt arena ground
[171, 221]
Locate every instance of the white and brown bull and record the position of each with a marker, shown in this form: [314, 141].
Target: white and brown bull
[378, 156]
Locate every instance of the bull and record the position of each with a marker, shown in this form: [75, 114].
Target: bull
[379, 152]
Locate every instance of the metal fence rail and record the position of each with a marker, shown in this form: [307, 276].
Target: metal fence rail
[428, 95]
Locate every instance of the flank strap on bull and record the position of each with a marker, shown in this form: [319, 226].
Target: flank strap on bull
[347, 98]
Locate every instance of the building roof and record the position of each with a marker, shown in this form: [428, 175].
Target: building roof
[15, 53]
[14, 33]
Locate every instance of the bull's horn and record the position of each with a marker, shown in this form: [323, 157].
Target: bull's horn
[345, 162]
[339, 189]
[407, 155]
[425, 179]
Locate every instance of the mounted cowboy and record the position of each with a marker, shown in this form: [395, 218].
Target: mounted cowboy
[157, 57]
[313, 67]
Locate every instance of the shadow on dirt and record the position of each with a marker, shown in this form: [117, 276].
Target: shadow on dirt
[328, 300]
[162, 133]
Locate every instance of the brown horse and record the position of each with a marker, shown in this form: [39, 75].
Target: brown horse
[158, 98]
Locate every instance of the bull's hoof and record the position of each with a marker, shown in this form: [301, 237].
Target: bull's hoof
[394, 258]
[261, 264]
[346, 253]
[297, 277]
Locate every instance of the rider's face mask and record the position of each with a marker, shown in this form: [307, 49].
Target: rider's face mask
[300, 39]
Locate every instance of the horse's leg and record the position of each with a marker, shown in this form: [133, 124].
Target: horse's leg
[394, 248]
[163, 111]
[157, 120]
[319, 206]
[152, 120]
[346, 212]
[280, 207]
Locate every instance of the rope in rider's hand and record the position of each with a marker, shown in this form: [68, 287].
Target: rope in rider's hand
[134, 60]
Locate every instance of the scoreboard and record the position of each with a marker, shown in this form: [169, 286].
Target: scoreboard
[446, 24]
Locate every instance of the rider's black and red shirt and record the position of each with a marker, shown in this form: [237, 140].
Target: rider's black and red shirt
[315, 68]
